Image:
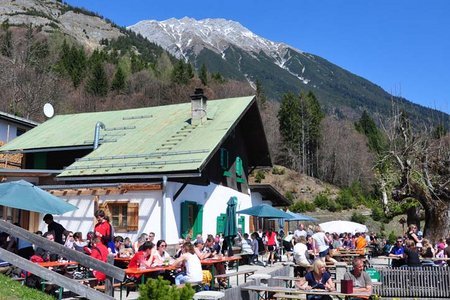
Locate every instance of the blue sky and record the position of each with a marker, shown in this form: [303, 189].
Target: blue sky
[403, 46]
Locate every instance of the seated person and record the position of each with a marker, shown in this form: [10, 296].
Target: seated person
[115, 245]
[361, 280]
[142, 259]
[301, 252]
[45, 255]
[318, 278]
[193, 269]
[100, 252]
[397, 253]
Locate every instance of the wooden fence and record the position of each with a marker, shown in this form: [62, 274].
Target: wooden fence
[425, 282]
[85, 260]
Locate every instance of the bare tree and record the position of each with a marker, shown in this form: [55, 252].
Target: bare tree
[417, 166]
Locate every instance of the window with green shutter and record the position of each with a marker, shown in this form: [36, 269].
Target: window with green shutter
[220, 225]
[191, 218]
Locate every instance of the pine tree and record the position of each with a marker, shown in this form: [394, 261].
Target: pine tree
[203, 75]
[260, 94]
[366, 125]
[118, 84]
[97, 84]
[178, 74]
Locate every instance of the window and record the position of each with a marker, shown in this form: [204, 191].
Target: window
[124, 216]
[20, 131]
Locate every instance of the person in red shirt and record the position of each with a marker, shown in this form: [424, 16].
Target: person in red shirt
[142, 259]
[103, 229]
[100, 252]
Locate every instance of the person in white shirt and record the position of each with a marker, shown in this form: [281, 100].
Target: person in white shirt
[300, 231]
[193, 268]
[301, 254]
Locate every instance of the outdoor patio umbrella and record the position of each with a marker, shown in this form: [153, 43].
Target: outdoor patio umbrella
[300, 217]
[230, 230]
[343, 226]
[265, 211]
[24, 195]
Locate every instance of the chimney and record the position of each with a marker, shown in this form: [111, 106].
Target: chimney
[198, 107]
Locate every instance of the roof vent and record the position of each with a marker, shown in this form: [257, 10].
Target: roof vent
[198, 107]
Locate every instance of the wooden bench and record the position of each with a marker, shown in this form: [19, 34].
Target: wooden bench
[288, 280]
[425, 282]
[60, 288]
[227, 276]
[289, 296]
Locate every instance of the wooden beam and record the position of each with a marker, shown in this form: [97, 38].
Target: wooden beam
[83, 259]
[100, 191]
[49, 275]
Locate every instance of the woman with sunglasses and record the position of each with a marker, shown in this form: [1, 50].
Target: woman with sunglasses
[161, 257]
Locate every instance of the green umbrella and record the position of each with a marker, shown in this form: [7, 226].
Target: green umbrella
[24, 195]
[230, 223]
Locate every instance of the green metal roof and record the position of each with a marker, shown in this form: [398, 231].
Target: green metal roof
[145, 140]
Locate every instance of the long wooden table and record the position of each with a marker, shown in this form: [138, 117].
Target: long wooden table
[262, 292]
[223, 259]
[142, 271]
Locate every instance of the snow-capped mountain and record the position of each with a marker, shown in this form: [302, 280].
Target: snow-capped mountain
[215, 34]
[186, 38]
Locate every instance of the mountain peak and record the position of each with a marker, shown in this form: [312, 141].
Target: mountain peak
[187, 35]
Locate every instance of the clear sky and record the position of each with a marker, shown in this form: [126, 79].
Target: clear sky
[402, 45]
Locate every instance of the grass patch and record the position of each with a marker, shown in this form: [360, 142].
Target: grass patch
[10, 289]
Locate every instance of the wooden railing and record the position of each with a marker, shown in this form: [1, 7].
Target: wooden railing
[424, 282]
[83, 259]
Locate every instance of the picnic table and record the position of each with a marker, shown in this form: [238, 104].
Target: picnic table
[142, 271]
[212, 261]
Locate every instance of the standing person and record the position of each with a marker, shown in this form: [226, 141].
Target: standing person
[447, 251]
[57, 229]
[411, 254]
[271, 245]
[397, 253]
[361, 280]
[300, 231]
[321, 243]
[412, 233]
[301, 253]
[103, 229]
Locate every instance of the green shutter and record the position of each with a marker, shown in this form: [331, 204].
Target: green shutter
[224, 158]
[241, 223]
[184, 219]
[220, 227]
[239, 167]
[198, 223]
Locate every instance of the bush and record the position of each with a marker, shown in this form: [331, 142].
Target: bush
[289, 195]
[358, 218]
[259, 176]
[277, 171]
[302, 206]
[160, 289]
[321, 201]
[346, 199]
[377, 213]
[392, 238]
[334, 206]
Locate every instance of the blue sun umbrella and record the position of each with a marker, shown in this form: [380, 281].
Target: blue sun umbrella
[24, 195]
[265, 211]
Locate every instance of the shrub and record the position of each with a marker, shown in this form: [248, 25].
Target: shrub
[321, 201]
[346, 199]
[259, 176]
[358, 218]
[334, 206]
[392, 238]
[277, 171]
[289, 195]
[160, 289]
[302, 206]
[377, 213]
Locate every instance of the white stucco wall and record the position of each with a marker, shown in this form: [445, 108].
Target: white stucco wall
[214, 198]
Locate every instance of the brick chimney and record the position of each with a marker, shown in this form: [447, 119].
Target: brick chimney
[198, 107]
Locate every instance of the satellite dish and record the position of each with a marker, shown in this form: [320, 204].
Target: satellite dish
[48, 110]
